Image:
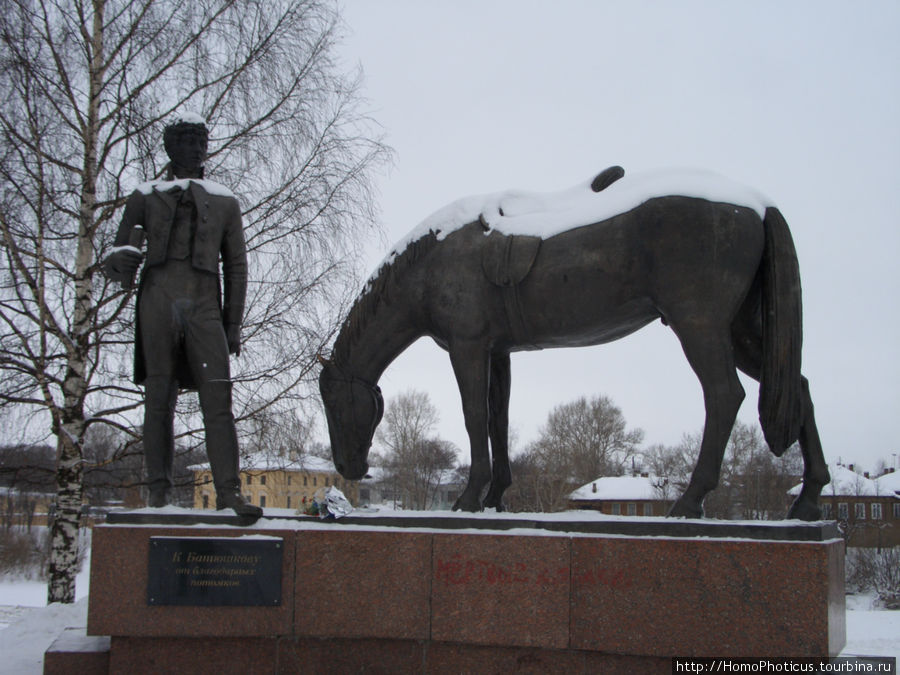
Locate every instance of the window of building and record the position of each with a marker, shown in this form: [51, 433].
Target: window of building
[326, 481]
[262, 479]
[262, 500]
[632, 509]
[826, 511]
[249, 479]
[289, 479]
[896, 509]
[314, 481]
[289, 501]
[205, 501]
[876, 511]
[843, 511]
[617, 509]
[859, 510]
[304, 481]
[648, 509]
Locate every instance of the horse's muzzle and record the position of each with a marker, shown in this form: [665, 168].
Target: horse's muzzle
[352, 471]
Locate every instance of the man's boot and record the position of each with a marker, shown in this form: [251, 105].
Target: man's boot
[158, 498]
[233, 499]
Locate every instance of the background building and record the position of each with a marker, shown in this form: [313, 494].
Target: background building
[867, 510]
[277, 482]
[439, 492]
[641, 495]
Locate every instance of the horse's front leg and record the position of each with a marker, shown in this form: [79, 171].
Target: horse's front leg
[498, 430]
[471, 365]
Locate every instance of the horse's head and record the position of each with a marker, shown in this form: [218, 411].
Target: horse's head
[353, 409]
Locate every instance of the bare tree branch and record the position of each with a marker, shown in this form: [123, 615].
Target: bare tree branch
[88, 87]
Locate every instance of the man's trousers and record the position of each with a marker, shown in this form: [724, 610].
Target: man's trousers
[180, 320]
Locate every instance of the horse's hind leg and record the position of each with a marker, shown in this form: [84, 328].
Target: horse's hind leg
[498, 428]
[711, 357]
[815, 470]
[748, 356]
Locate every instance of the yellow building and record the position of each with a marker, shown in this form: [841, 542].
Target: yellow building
[278, 482]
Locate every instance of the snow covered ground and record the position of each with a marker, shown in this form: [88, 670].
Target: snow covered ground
[28, 625]
[871, 632]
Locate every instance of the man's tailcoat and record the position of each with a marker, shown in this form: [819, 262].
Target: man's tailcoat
[218, 233]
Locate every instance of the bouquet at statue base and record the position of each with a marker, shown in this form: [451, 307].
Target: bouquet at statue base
[336, 504]
[333, 505]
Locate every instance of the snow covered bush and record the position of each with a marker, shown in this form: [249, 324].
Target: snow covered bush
[868, 569]
[24, 554]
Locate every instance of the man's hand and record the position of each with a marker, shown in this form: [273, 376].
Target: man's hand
[122, 264]
[233, 336]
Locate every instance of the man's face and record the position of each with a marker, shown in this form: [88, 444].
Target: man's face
[189, 150]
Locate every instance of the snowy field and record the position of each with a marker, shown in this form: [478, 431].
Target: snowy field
[28, 625]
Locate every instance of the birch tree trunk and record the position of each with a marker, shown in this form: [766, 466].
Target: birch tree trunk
[62, 565]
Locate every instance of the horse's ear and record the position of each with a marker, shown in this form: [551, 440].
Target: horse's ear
[606, 178]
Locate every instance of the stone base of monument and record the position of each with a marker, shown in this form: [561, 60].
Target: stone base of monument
[74, 652]
[444, 593]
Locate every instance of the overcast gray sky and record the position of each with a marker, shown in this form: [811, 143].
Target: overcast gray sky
[799, 99]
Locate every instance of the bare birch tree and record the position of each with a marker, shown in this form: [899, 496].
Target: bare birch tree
[585, 439]
[581, 441]
[87, 88]
[415, 461]
[753, 483]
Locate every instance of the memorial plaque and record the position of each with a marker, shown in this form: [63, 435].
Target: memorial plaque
[235, 571]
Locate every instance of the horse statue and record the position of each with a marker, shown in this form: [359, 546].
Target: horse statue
[498, 273]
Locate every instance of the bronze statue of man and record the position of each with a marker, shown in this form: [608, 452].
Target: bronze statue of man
[187, 324]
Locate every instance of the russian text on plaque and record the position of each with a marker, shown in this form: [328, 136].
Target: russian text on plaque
[237, 571]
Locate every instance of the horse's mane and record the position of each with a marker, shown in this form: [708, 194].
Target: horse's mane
[376, 292]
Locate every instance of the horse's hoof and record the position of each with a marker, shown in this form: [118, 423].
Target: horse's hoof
[492, 502]
[462, 504]
[497, 505]
[804, 510]
[684, 509]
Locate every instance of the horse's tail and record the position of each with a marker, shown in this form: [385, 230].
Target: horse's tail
[780, 386]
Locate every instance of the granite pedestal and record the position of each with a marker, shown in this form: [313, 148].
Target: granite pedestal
[425, 593]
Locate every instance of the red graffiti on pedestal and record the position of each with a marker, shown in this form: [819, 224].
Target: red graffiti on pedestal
[458, 571]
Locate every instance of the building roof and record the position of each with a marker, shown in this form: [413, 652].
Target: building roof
[847, 483]
[889, 482]
[621, 488]
[260, 462]
[445, 478]
[375, 474]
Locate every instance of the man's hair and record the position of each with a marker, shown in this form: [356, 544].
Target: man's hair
[177, 128]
